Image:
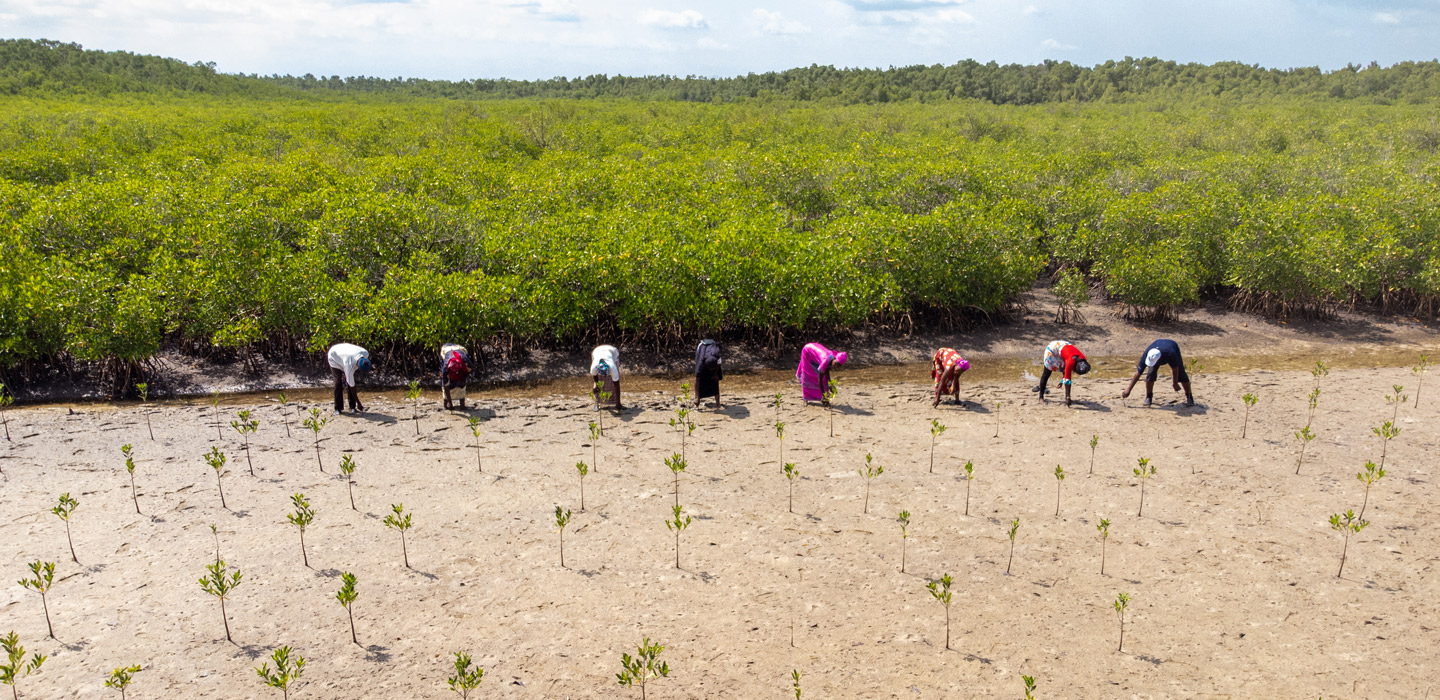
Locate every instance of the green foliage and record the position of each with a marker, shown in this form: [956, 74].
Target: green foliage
[1346, 524]
[584, 470]
[5, 401]
[904, 519]
[1144, 472]
[1014, 530]
[220, 582]
[412, 394]
[1071, 292]
[400, 520]
[16, 667]
[936, 430]
[347, 470]
[676, 464]
[1304, 435]
[285, 673]
[940, 591]
[315, 424]
[120, 678]
[869, 473]
[795, 682]
[677, 524]
[1250, 400]
[130, 469]
[216, 459]
[1121, 603]
[245, 425]
[1368, 477]
[969, 477]
[1104, 529]
[44, 578]
[347, 595]
[791, 473]
[1029, 686]
[562, 519]
[466, 678]
[1419, 370]
[643, 666]
[63, 510]
[1059, 479]
[301, 519]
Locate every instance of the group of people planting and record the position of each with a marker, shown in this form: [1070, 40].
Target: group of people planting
[813, 373]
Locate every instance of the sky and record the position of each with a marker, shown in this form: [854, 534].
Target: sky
[532, 39]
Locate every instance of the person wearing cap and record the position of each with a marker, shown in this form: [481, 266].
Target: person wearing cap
[946, 370]
[454, 374]
[346, 361]
[1061, 356]
[1161, 352]
[708, 372]
[605, 370]
[816, 361]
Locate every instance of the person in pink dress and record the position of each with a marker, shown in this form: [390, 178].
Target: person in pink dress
[816, 361]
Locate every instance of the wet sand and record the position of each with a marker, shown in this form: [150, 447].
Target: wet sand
[1232, 568]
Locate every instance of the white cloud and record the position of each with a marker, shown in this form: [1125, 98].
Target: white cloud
[556, 10]
[1052, 44]
[1032, 10]
[775, 23]
[669, 19]
[909, 12]
[1386, 17]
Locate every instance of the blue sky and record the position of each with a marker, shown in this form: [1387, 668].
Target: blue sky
[526, 39]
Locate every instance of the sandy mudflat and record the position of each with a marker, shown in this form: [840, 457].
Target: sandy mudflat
[1231, 569]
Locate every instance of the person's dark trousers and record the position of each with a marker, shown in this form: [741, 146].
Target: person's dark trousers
[340, 393]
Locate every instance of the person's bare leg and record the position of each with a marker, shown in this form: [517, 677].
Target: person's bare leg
[619, 406]
[1149, 391]
[1189, 397]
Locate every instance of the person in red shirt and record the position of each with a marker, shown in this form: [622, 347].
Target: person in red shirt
[946, 368]
[1063, 357]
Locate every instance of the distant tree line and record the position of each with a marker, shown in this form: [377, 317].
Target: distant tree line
[42, 67]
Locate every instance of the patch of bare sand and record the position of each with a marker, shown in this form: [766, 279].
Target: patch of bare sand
[1231, 569]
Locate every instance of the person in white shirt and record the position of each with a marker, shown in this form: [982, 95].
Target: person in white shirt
[605, 370]
[345, 361]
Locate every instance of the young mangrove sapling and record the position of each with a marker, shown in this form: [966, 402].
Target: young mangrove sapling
[120, 678]
[285, 672]
[969, 477]
[62, 510]
[831, 389]
[44, 573]
[1014, 528]
[216, 534]
[130, 469]
[16, 666]
[315, 424]
[219, 583]
[602, 397]
[562, 518]
[1059, 479]
[1029, 687]
[1396, 398]
[1094, 443]
[216, 459]
[1420, 370]
[347, 595]
[301, 519]
[1143, 473]
[1368, 477]
[285, 412]
[1122, 602]
[1305, 435]
[940, 590]
[1314, 402]
[595, 445]
[904, 519]
[936, 429]
[144, 390]
[1250, 400]
[1386, 432]
[795, 682]
[1346, 524]
[779, 398]
[997, 419]
[245, 425]
[412, 394]
[869, 472]
[676, 464]
[400, 520]
[1104, 529]
[790, 473]
[780, 435]
[466, 678]
[677, 524]
[584, 469]
[347, 470]
[644, 665]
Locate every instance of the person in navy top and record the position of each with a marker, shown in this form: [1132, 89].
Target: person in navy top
[1161, 352]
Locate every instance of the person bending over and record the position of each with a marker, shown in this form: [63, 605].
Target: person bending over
[1161, 352]
[454, 374]
[946, 369]
[708, 371]
[605, 371]
[1065, 358]
[346, 361]
[816, 361]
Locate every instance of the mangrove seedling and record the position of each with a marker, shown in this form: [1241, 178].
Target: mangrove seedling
[347, 595]
[936, 429]
[1314, 401]
[1320, 370]
[285, 672]
[215, 413]
[779, 398]
[301, 519]
[44, 573]
[412, 394]
[1014, 528]
[1104, 529]
[1346, 524]
[347, 470]
[643, 666]
[1059, 479]
[130, 469]
[780, 435]
[400, 520]
[216, 459]
[790, 473]
[1029, 687]
[62, 510]
[795, 682]
[831, 389]
[1250, 401]
[1368, 477]
[17, 667]
[245, 425]
[997, 419]
[315, 424]
[1386, 432]
[120, 678]
[940, 590]
[1122, 602]
[584, 469]
[466, 678]
[969, 477]
[219, 583]
[676, 464]
[595, 445]
[677, 524]
[1143, 472]
[1094, 443]
[1396, 398]
[1420, 371]
[602, 397]
[5, 401]
[681, 421]
[1304, 436]
[216, 534]
[562, 518]
[869, 472]
[904, 519]
[285, 412]
[143, 389]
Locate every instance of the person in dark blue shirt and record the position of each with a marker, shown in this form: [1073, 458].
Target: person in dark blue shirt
[1161, 352]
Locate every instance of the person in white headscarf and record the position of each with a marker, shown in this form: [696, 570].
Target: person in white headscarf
[605, 370]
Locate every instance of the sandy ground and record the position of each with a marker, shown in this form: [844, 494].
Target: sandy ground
[1232, 568]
